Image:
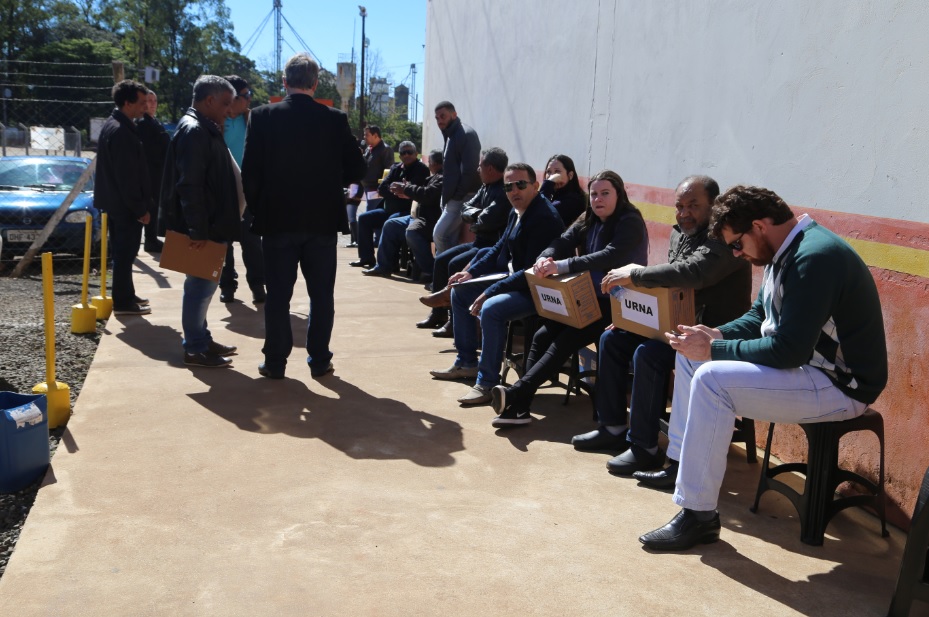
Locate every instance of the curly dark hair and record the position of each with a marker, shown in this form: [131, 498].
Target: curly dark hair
[128, 91]
[741, 205]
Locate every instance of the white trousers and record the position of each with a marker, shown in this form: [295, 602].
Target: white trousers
[709, 395]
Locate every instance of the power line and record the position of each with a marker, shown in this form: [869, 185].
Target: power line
[62, 76]
[58, 63]
[254, 37]
[301, 41]
[55, 86]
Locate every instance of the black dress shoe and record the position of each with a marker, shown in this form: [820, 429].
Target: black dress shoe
[432, 322]
[634, 459]
[445, 331]
[600, 439]
[317, 373]
[153, 246]
[663, 479]
[227, 296]
[361, 264]
[264, 371]
[376, 271]
[682, 533]
[218, 349]
[259, 295]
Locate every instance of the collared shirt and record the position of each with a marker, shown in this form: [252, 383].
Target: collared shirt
[234, 135]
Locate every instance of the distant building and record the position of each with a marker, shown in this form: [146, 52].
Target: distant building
[402, 99]
[379, 101]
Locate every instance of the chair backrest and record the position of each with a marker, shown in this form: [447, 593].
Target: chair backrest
[913, 581]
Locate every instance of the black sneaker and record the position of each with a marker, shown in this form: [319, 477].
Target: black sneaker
[259, 295]
[140, 301]
[227, 296]
[316, 374]
[220, 350]
[133, 309]
[207, 360]
[498, 399]
[511, 417]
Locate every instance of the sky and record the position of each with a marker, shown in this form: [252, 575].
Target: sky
[396, 30]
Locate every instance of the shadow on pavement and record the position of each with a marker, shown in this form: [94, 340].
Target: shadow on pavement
[352, 421]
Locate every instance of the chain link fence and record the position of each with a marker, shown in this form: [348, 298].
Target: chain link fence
[51, 116]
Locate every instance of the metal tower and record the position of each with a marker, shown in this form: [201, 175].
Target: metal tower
[278, 37]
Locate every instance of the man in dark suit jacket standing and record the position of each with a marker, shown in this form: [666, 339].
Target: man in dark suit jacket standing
[299, 155]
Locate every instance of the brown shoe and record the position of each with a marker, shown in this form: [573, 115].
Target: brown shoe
[439, 299]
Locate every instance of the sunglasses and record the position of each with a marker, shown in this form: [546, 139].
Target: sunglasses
[520, 184]
[406, 152]
[244, 95]
[736, 245]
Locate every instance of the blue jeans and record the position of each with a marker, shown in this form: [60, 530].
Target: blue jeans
[419, 239]
[251, 255]
[709, 395]
[393, 235]
[652, 362]
[448, 228]
[494, 315]
[316, 256]
[444, 261]
[369, 224]
[196, 300]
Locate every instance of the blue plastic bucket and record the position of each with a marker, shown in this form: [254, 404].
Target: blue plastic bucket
[23, 440]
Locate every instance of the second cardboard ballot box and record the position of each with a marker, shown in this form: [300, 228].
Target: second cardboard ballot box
[567, 298]
[206, 263]
[652, 312]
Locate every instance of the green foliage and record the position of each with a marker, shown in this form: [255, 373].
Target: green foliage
[394, 127]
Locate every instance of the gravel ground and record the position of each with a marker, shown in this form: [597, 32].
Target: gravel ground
[22, 362]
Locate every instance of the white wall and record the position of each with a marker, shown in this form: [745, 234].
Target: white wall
[825, 102]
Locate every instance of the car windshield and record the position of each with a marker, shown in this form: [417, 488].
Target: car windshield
[42, 173]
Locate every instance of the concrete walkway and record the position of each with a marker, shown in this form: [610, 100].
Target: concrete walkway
[370, 492]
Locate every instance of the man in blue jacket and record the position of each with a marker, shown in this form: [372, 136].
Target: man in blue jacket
[532, 226]
[460, 176]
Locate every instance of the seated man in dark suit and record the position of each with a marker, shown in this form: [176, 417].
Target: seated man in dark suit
[409, 169]
[532, 226]
[416, 226]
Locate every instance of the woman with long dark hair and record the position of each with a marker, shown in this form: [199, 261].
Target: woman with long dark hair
[611, 234]
[562, 187]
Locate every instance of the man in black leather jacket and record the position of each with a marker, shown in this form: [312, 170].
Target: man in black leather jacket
[199, 199]
[487, 213]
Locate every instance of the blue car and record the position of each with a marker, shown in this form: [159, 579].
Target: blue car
[31, 189]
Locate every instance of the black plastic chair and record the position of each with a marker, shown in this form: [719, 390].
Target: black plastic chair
[817, 504]
[913, 581]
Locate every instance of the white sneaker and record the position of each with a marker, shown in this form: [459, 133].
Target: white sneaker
[455, 372]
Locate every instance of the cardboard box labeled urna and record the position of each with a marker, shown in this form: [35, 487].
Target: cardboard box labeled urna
[206, 263]
[567, 298]
[652, 312]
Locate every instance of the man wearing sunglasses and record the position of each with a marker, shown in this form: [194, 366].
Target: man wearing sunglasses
[410, 169]
[234, 136]
[531, 227]
[810, 349]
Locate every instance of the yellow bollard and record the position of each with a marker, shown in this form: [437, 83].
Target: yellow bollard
[58, 394]
[103, 304]
[83, 315]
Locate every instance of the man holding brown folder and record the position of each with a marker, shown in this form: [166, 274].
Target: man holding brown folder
[199, 199]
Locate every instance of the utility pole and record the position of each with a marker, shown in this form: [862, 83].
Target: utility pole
[412, 93]
[278, 39]
[361, 113]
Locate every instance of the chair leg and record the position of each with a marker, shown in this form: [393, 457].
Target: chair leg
[763, 479]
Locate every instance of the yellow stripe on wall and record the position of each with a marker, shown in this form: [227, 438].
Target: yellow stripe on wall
[877, 254]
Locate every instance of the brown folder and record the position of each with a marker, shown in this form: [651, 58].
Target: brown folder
[206, 263]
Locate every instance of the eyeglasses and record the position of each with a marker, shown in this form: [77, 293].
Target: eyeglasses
[406, 152]
[736, 245]
[520, 184]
